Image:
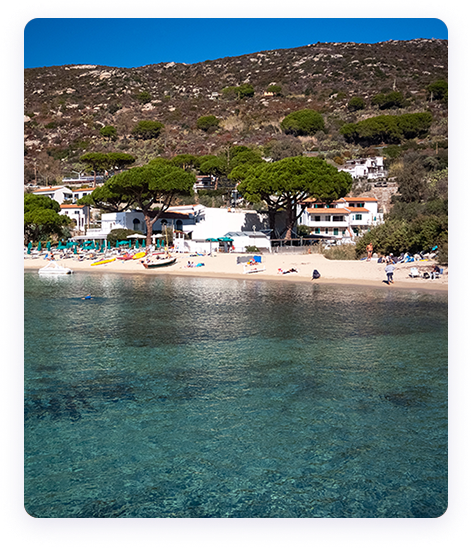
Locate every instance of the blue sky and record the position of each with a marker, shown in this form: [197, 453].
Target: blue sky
[138, 42]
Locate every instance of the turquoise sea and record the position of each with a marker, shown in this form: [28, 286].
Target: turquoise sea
[191, 397]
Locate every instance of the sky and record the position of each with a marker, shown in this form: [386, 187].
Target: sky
[139, 42]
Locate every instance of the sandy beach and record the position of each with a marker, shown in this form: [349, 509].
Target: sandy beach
[225, 265]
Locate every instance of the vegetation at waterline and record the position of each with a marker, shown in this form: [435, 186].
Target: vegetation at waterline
[418, 220]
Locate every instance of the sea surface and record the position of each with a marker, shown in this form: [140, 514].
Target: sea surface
[190, 398]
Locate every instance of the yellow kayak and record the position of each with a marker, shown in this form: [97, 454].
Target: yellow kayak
[104, 261]
[139, 255]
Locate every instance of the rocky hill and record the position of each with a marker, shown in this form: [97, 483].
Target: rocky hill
[66, 106]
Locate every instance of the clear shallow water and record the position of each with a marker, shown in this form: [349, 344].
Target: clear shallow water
[181, 397]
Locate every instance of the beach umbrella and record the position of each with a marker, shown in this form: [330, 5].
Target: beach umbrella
[211, 240]
[39, 246]
[48, 246]
[108, 244]
[30, 245]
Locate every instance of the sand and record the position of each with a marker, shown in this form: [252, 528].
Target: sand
[224, 265]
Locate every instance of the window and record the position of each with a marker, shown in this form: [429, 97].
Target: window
[317, 231]
[315, 218]
[178, 225]
[335, 231]
[338, 218]
[327, 218]
[358, 217]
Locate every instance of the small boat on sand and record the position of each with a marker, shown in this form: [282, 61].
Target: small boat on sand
[126, 257]
[53, 269]
[139, 255]
[160, 262]
[103, 261]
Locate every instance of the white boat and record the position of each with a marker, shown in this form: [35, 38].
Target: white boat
[53, 269]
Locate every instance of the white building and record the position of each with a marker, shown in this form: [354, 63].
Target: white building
[342, 220]
[365, 168]
[79, 214]
[58, 193]
[194, 226]
[78, 193]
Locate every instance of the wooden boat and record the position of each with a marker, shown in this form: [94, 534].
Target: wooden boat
[54, 269]
[103, 261]
[139, 255]
[160, 262]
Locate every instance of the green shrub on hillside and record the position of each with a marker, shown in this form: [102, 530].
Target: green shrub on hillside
[207, 123]
[147, 129]
[387, 128]
[303, 122]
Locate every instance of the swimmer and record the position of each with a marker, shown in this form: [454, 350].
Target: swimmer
[87, 297]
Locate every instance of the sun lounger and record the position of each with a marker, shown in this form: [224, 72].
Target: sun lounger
[414, 273]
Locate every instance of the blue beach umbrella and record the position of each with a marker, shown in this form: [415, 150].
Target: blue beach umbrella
[30, 245]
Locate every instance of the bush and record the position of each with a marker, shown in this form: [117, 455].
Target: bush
[147, 129]
[388, 128]
[343, 252]
[303, 122]
[109, 132]
[206, 123]
[356, 103]
[394, 99]
[252, 249]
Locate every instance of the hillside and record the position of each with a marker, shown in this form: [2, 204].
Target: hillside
[66, 106]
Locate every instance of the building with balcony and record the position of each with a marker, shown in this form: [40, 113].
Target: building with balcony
[341, 220]
[365, 168]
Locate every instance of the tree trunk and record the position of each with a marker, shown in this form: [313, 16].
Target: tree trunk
[149, 221]
[290, 219]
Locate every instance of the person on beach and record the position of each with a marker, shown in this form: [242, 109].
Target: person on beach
[435, 271]
[370, 250]
[389, 270]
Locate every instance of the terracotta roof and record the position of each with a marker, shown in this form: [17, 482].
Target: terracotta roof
[48, 189]
[330, 210]
[82, 189]
[71, 206]
[358, 199]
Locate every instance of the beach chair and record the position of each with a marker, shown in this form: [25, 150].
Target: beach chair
[414, 272]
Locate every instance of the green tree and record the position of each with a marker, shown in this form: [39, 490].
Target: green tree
[245, 90]
[275, 89]
[144, 97]
[109, 132]
[241, 92]
[147, 129]
[394, 99]
[185, 161]
[207, 123]
[438, 90]
[387, 128]
[96, 162]
[303, 122]
[120, 160]
[41, 218]
[284, 184]
[356, 103]
[149, 189]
